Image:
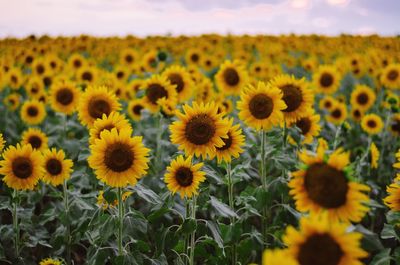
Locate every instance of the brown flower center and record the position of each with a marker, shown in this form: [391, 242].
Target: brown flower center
[32, 111]
[392, 75]
[35, 141]
[304, 124]
[326, 185]
[227, 143]
[53, 166]
[22, 167]
[326, 80]
[396, 126]
[261, 106]
[137, 109]
[118, 157]
[98, 107]
[77, 63]
[231, 77]
[320, 249]
[200, 129]
[87, 76]
[184, 176]
[371, 123]
[156, 91]
[357, 114]
[177, 80]
[362, 98]
[47, 81]
[328, 104]
[292, 96]
[64, 96]
[40, 69]
[129, 58]
[194, 57]
[336, 113]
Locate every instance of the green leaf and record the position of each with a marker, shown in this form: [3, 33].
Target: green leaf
[189, 226]
[382, 258]
[221, 208]
[110, 196]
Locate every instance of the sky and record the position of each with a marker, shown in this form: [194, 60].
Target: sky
[19, 18]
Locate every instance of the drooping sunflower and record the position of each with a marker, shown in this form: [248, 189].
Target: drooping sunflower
[393, 199]
[309, 126]
[362, 97]
[2, 143]
[326, 79]
[181, 79]
[95, 102]
[338, 114]
[296, 95]
[327, 103]
[261, 107]
[372, 124]
[374, 155]
[322, 242]
[108, 122]
[199, 130]
[390, 76]
[50, 261]
[12, 101]
[323, 185]
[135, 108]
[232, 145]
[184, 177]
[158, 87]
[64, 97]
[278, 257]
[36, 138]
[231, 77]
[33, 112]
[22, 167]
[56, 167]
[118, 159]
[394, 125]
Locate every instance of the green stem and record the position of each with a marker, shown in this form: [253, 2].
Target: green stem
[15, 223]
[335, 142]
[264, 185]
[158, 139]
[284, 135]
[120, 221]
[193, 236]
[231, 205]
[187, 237]
[68, 225]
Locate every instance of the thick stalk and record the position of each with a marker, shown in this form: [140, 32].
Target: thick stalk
[264, 184]
[193, 236]
[187, 237]
[120, 221]
[15, 223]
[231, 205]
[336, 140]
[68, 225]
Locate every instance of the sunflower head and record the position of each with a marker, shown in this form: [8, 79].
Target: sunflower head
[232, 144]
[158, 87]
[326, 79]
[362, 97]
[36, 138]
[33, 112]
[372, 124]
[50, 261]
[57, 167]
[180, 78]
[184, 177]
[231, 77]
[64, 97]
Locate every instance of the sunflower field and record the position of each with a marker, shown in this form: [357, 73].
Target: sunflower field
[211, 149]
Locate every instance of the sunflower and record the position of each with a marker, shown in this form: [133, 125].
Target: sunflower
[135, 108]
[114, 120]
[297, 97]
[199, 129]
[278, 257]
[338, 114]
[374, 155]
[232, 145]
[323, 184]
[362, 97]
[205, 90]
[357, 114]
[102, 202]
[261, 107]
[326, 79]
[50, 261]
[309, 126]
[14, 78]
[39, 68]
[158, 87]
[118, 159]
[393, 199]
[327, 103]
[180, 78]
[35, 87]
[2, 143]
[390, 76]
[33, 112]
[36, 138]
[129, 57]
[87, 75]
[224, 104]
[184, 177]
[76, 61]
[133, 87]
[322, 242]
[12, 101]
[22, 167]
[231, 77]
[193, 56]
[57, 168]
[64, 97]
[394, 125]
[372, 124]
[95, 102]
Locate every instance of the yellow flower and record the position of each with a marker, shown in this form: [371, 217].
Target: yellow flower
[372, 124]
[36, 138]
[33, 112]
[374, 155]
[57, 168]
